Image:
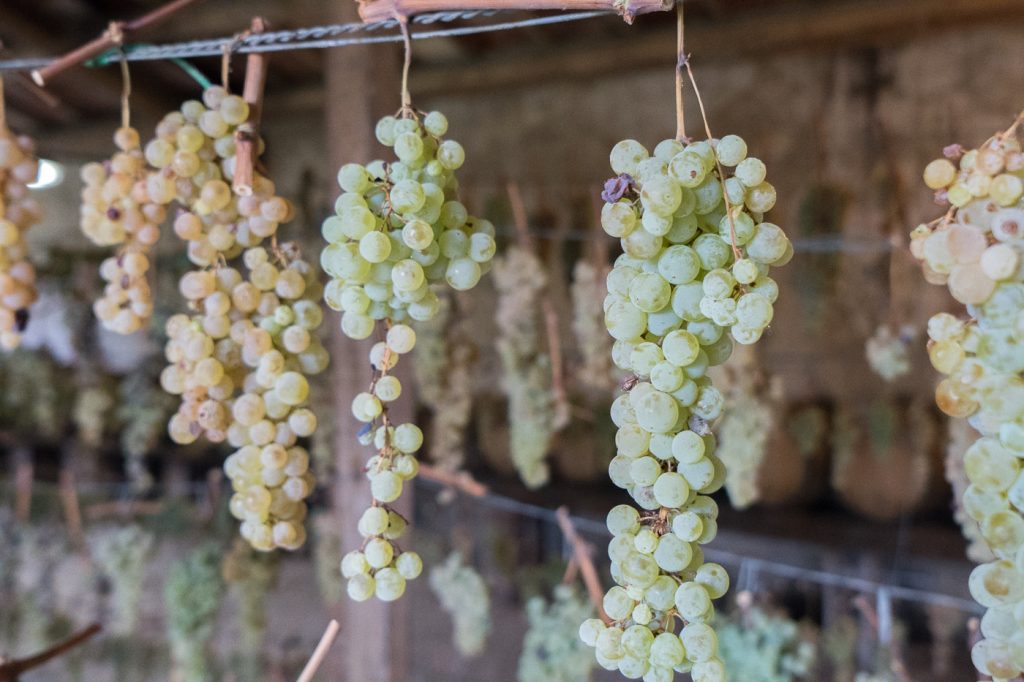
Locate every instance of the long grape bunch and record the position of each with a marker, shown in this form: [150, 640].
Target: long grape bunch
[551, 651]
[270, 471]
[18, 212]
[117, 211]
[121, 554]
[520, 281]
[696, 262]
[239, 361]
[976, 250]
[398, 231]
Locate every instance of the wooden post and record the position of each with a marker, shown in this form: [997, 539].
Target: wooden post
[362, 84]
[23, 475]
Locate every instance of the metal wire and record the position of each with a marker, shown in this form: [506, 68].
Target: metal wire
[320, 37]
[747, 565]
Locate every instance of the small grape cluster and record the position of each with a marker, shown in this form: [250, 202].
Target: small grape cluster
[380, 567]
[18, 212]
[976, 250]
[398, 229]
[696, 262]
[551, 651]
[116, 210]
[765, 645]
[464, 594]
[888, 353]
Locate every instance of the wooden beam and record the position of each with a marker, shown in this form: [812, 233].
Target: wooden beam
[818, 27]
[92, 90]
[810, 26]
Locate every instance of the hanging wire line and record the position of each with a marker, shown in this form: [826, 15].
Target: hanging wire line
[321, 37]
[747, 565]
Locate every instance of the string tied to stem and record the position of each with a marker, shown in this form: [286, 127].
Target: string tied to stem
[228, 49]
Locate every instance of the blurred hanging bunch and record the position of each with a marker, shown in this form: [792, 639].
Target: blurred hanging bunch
[745, 425]
[889, 353]
[552, 651]
[192, 597]
[519, 278]
[596, 370]
[762, 645]
[250, 576]
[464, 594]
[18, 212]
[121, 554]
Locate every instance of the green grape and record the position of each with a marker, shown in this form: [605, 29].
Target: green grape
[975, 250]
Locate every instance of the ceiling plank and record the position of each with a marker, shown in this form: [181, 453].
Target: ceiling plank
[805, 26]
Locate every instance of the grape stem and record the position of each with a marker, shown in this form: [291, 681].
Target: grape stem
[320, 652]
[247, 133]
[680, 61]
[721, 174]
[581, 555]
[106, 40]
[461, 480]
[126, 87]
[11, 669]
[403, 24]
[225, 60]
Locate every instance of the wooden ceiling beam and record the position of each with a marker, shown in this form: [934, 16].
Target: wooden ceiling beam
[89, 90]
[808, 26]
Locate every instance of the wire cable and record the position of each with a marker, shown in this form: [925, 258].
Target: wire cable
[321, 37]
[744, 563]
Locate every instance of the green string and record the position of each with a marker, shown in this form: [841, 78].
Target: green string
[114, 54]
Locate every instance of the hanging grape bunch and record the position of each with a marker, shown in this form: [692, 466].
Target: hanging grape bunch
[696, 263]
[117, 211]
[18, 212]
[240, 359]
[975, 249]
[398, 230]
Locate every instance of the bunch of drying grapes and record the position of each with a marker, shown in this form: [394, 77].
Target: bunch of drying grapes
[696, 262]
[117, 211]
[270, 472]
[976, 249]
[398, 230]
[18, 212]
[240, 359]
